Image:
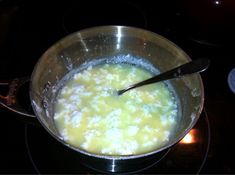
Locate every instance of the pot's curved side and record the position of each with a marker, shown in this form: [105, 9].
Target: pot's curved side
[122, 166]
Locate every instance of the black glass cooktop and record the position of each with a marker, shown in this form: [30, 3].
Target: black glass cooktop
[28, 28]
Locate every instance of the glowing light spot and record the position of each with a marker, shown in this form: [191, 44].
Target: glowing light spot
[189, 138]
[217, 2]
[119, 35]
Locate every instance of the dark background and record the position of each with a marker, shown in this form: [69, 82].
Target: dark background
[203, 28]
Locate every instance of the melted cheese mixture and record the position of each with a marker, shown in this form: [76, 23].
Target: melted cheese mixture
[89, 115]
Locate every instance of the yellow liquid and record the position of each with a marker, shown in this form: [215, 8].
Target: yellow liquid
[90, 116]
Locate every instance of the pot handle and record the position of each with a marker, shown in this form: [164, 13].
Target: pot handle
[10, 100]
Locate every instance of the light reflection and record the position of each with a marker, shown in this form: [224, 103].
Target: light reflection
[83, 43]
[113, 166]
[217, 2]
[119, 35]
[190, 138]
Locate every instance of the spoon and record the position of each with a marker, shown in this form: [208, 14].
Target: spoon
[194, 66]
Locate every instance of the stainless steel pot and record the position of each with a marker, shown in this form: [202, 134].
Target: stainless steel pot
[107, 41]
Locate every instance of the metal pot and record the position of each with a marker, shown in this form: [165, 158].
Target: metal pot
[107, 41]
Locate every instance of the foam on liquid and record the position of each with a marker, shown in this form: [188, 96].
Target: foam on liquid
[90, 116]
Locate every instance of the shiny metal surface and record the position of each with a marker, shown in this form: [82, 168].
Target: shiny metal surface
[106, 41]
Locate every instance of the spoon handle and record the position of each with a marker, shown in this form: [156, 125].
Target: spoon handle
[191, 67]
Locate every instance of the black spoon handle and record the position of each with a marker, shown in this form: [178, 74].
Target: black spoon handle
[191, 67]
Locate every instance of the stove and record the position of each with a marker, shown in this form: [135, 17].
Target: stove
[28, 28]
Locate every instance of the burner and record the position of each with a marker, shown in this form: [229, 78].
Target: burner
[122, 13]
[188, 156]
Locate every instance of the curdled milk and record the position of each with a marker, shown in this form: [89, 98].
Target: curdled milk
[89, 115]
